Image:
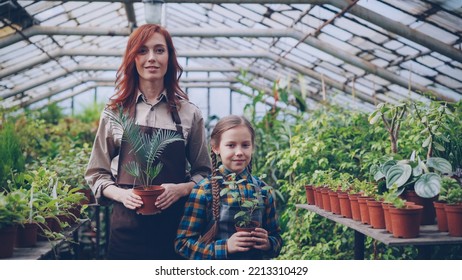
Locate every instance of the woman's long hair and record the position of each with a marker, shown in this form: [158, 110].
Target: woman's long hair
[127, 77]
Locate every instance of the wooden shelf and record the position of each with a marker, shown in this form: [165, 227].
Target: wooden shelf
[429, 234]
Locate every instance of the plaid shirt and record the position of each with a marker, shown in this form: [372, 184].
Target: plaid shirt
[198, 217]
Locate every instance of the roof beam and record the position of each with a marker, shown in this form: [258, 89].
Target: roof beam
[205, 54]
[211, 33]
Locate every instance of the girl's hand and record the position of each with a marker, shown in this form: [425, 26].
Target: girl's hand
[240, 242]
[130, 200]
[172, 193]
[260, 237]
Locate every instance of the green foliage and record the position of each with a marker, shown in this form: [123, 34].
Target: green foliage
[12, 207]
[243, 218]
[10, 154]
[147, 148]
[423, 176]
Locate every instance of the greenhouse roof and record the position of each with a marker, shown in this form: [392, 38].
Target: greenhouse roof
[352, 53]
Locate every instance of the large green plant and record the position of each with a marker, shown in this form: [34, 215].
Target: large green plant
[422, 176]
[147, 148]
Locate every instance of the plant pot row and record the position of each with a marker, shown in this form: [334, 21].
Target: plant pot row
[402, 223]
[26, 235]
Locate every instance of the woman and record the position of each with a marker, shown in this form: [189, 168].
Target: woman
[147, 88]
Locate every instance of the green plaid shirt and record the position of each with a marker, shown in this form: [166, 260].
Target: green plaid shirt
[198, 217]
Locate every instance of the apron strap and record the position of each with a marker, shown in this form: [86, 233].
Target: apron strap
[176, 119]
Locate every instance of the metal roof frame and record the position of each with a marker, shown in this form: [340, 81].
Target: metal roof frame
[357, 65]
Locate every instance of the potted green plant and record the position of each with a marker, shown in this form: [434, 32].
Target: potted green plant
[453, 208]
[147, 150]
[244, 218]
[416, 179]
[404, 218]
[12, 207]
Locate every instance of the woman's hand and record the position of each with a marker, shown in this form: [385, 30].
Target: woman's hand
[240, 241]
[129, 199]
[260, 237]
[172, 193]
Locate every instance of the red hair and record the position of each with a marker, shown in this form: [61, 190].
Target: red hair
[127, 77]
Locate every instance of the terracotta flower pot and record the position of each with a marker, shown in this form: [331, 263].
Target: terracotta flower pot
[26, 235]
[345, 205]
[441, 219]
[334, 202]
[428, 214]
[454, 216]
[309, 189]
[326, 199]
[406, 221]
[355, 211]
[318, 194]
[364, 209]
[386, 215]
[149, 196]
[376, 215]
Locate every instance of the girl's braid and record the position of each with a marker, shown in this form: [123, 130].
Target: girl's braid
[211, 233]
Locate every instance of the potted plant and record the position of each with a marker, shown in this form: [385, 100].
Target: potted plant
[416, 179]
[244, 220]
[404, 217]
[453, 209]
[12, 206]
[147, 150]
[441, 219]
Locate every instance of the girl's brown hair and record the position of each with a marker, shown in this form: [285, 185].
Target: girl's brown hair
[127, 77]
[223, 125]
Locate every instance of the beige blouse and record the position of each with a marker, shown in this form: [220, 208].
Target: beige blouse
[102, 167]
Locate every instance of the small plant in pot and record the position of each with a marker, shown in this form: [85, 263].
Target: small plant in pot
[453, 208]
[147, 150]
[244, 219]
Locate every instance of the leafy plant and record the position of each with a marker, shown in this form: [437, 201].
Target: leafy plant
[424, 176]
[243, 218]
[451, 191]
[12, 207]
[147, 148]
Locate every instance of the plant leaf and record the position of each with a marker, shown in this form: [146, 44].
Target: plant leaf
[398, 174]
[428, 185]
[440, 164]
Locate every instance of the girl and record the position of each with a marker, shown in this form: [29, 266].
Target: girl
[207, 230]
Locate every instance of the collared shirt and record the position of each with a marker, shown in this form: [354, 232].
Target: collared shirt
[102, 167]
[198, 216]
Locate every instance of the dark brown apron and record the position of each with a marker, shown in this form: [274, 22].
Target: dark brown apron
[135, 236]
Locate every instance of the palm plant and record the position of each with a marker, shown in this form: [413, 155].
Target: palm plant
[146, 148]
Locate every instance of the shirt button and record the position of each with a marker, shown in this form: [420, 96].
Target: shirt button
[152, 108]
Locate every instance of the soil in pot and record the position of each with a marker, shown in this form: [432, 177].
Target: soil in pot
[250, 228]
[149, 196]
